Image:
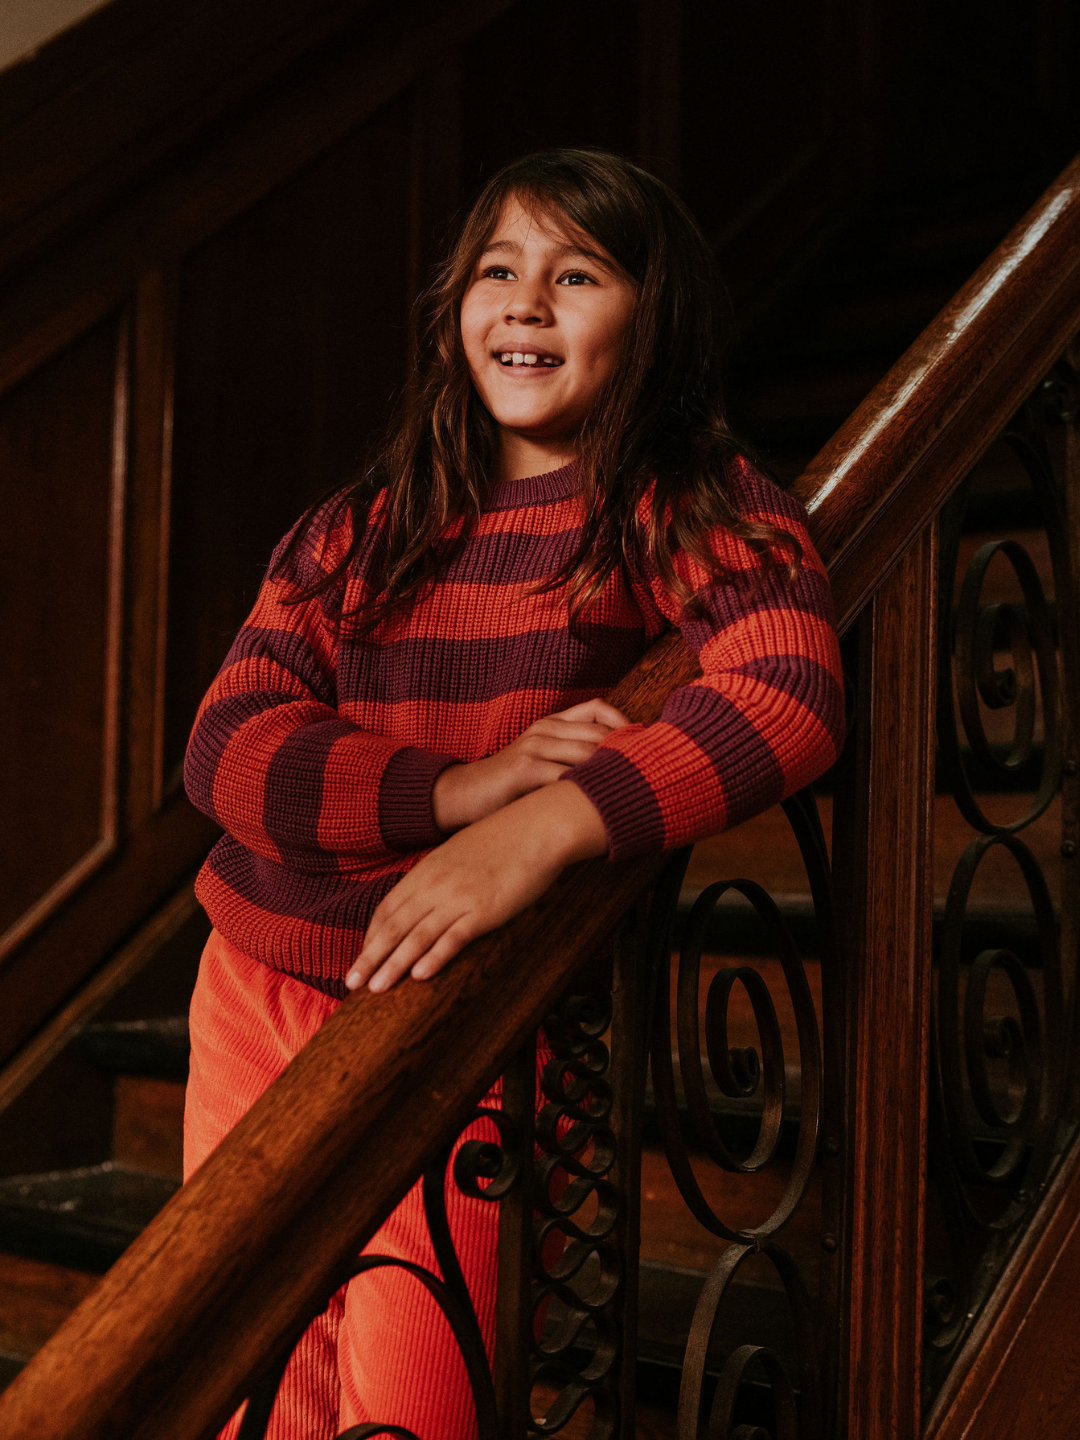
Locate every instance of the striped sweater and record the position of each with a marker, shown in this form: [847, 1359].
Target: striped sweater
[317, 754]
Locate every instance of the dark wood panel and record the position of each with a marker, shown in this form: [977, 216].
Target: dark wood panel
[587, 95]
[765, 126]
[883, 819]
[132, 883]
[959, 92]
[224, 170]
[61, 494]
[291, 338]
[148, 83]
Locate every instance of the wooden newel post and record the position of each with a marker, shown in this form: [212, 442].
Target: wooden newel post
[884, 873]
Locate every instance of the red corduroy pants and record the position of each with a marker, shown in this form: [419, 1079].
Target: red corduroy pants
[382, 1351]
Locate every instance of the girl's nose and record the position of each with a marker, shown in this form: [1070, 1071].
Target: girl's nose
[527, 306]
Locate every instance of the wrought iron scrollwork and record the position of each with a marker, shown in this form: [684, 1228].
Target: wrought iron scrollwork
[497, 1163]
[744, 1074]
[579, 1268]
[738, 1073]
[1001, 1029]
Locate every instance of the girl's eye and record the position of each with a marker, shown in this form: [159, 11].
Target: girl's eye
[575, 277]
[497, 272]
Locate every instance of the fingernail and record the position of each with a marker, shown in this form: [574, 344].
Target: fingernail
[377, 984]
[352, 980]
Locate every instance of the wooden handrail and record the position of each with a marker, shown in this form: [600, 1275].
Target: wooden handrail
[199, 1304]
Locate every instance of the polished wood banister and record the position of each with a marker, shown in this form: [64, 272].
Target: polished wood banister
[213, 1288]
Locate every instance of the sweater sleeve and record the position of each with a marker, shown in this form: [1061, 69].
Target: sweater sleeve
[272, 761]
[765, 718]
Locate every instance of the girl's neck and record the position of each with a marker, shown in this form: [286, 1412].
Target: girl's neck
[520, 458]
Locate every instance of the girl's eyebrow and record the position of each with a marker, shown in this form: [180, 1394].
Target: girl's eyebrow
[562, 250]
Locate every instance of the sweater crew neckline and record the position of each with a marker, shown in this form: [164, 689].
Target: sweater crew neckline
[534, 489]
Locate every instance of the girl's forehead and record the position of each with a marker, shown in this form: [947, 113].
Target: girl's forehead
[521, 220]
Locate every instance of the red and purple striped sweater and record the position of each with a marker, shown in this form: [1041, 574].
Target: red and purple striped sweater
[317, 754]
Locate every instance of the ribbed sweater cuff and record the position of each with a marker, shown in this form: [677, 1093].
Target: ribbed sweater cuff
[406, 813]
[626, 802]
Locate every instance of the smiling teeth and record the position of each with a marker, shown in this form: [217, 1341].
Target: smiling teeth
[517, 357]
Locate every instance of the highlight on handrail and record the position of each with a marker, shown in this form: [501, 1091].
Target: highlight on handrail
[203, 1304]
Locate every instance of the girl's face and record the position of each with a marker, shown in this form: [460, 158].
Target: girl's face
[542, 323]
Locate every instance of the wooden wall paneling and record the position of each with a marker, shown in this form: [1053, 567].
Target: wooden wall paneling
[435, 165]
[129, 959]
[765, 158]
[62, 463]
[585, 96]
[226, 172]
[56, 1107]
[42, 974]
[885, 900]
[137, 242]
[291, 341]
[660, 86]
[165, 75]
[148, 546]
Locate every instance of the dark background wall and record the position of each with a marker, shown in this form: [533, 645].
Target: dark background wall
[213, 219]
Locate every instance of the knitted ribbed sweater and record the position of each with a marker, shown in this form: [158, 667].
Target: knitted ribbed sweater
[317, 753]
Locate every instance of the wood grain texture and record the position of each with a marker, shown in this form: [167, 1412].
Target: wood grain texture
[201, 1302]
[1019, 1370]
[885, 893]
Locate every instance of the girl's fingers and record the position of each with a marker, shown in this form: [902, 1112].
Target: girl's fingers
[451, 943]
[575, 730]
[564, 752]
[596, 710]
[388, 928]
[416, 944]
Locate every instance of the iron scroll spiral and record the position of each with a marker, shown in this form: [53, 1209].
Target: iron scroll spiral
[737, 1073]
[476, 1160]
[792, 1423]
[999, 1114]
[743, 1073]
[965, 1038]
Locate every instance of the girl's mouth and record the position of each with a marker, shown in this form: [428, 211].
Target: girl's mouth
[514, 358]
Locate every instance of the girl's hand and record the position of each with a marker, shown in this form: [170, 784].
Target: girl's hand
[477, 880]
[464, 794]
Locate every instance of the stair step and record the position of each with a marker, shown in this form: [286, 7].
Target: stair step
[157, 1049]
[148, 1124]
[83, 1218]
[35, 1300]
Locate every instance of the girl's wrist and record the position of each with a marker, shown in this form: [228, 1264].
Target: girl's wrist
[453, 798]
[567, 825]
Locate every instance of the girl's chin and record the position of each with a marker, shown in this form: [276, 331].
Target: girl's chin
[537, 424]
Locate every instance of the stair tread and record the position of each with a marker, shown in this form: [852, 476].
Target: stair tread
[84, 1217]
[158, 1049]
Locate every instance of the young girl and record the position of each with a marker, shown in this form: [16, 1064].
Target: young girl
[409, 739]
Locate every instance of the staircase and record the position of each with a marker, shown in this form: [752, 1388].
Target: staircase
[803, 366]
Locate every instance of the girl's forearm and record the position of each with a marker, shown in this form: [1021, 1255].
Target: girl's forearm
[569, 819]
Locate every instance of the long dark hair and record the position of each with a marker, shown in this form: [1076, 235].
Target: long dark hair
[660, 418]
